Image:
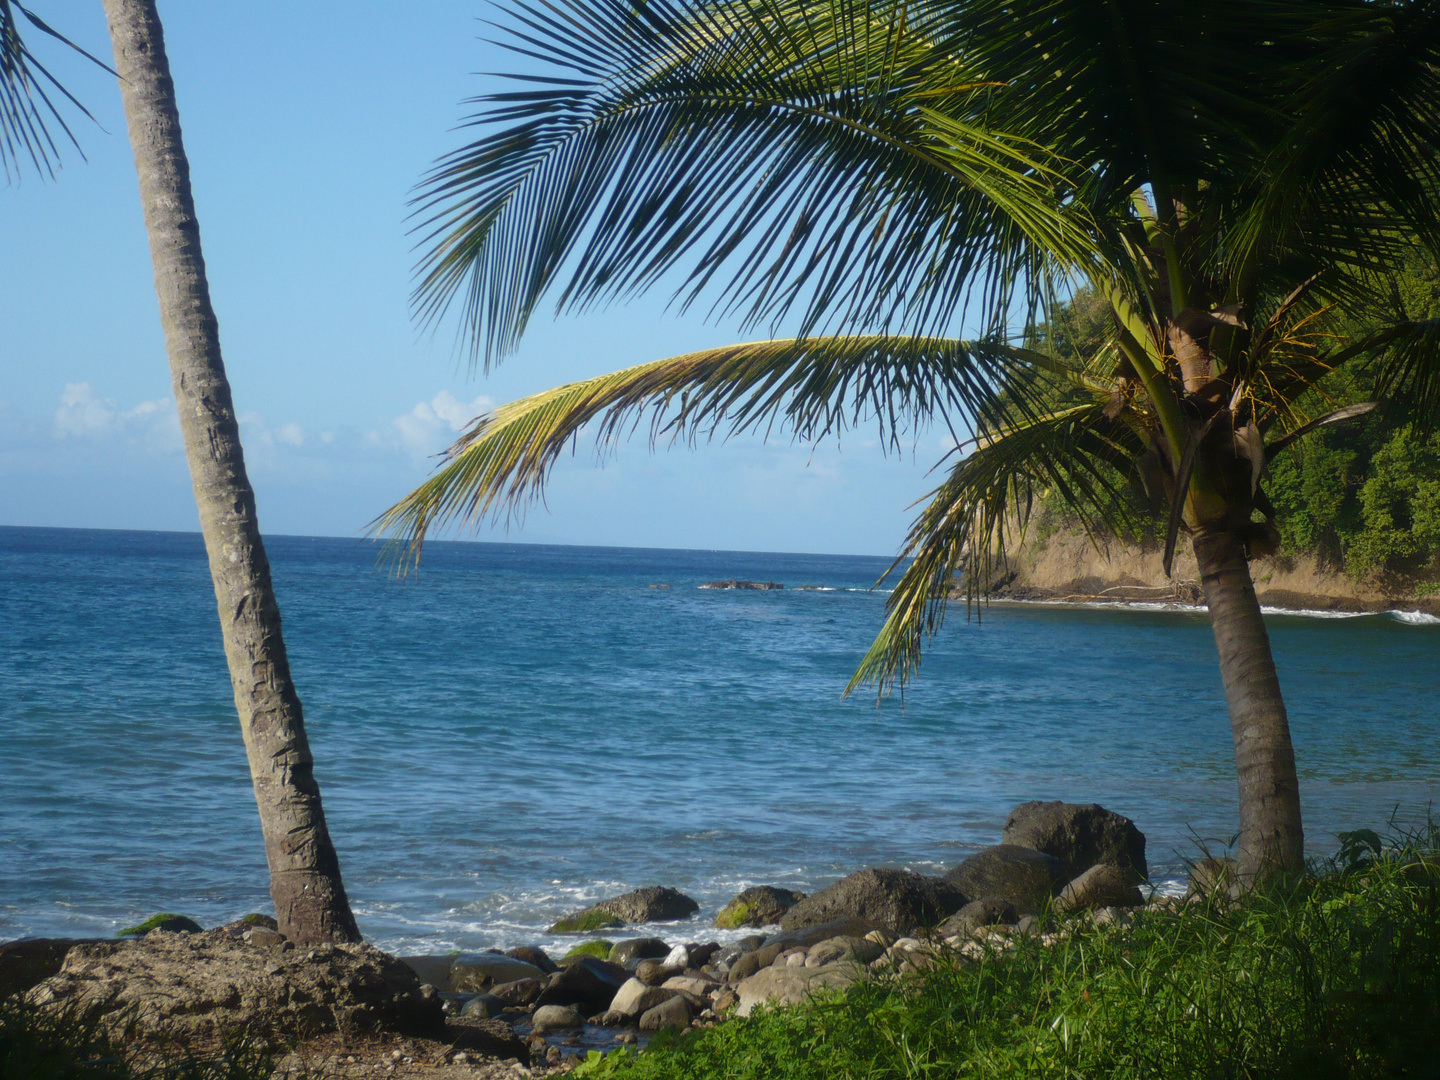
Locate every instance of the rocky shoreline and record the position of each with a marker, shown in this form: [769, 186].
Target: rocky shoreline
[358, 1011]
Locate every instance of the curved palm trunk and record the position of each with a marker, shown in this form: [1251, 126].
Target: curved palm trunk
[1271, 837]
[310, 901]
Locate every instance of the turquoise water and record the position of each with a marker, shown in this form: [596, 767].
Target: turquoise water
[523, 728]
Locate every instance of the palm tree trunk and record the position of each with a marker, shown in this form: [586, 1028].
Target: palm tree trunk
[305, 884]
[1272, 840]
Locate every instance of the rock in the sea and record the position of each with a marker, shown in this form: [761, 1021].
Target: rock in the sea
[654, 903]
[588, 982]
[1210, 876]
[790, 986]
[635, 998]
[519, 992]
[533, 955]
[674, 1013]
[1080, 835]
[759, 905]
[991, 911]
[556, 1018]
[175, 924]
[480, 971]
[1025, 878]
[897, 899]
[210, 984]
[1103, 885]
[736, 583]
[640, 948]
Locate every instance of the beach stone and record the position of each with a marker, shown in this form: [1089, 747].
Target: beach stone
[991, 911]
[490, 1038]
[759, 905]
[482, 970]
[690, 984]
[556, 1018]
[674, 1013]
[518, 993]
[207, 985]
[1028, 879]
[752, 962]
[642, 948]
[1104, 885]
[805, 936]
[896, 899]
[635, 998]
[857, 950]
[534, 955]
[1080, 835]
[485, 1006]
[588, 982]
[1210, 876]
[33, 960]
[679, 957]
[790, 986]
[701, 954]
[655, 972]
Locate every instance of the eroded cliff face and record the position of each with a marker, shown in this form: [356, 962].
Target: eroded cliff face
[1069, 566]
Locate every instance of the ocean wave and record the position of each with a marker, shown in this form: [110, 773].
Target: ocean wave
[1409, 618]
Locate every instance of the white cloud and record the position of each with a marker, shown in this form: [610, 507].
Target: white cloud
[84, 414]
[431, 425]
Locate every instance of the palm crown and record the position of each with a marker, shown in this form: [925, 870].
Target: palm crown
[1230, 176]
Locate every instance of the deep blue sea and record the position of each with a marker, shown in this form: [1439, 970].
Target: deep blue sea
[520, 729]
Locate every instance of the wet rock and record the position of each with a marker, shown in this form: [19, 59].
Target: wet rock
[654, 903]
[674, 1013]
[589, 983]
[518, 993]
[482, 970]
[790, 986]
[643, 948]
[897, 899]
[1103, 885]
[701, 954]
[585, 921]
[210, 984]
[1080, 835]
[635, 998]
[760, 905]
[1210, 876]
[556, 1018]
[737, 583]
[991, 911]
[533, 955]
[485, 1006]
[599, 948]
[1026, 878]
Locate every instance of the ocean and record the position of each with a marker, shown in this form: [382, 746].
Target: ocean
[521, 729]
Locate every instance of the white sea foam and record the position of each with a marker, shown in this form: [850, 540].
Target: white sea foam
[1414, 618]
[1410, 618]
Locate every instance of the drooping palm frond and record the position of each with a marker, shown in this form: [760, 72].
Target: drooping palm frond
[27, 107]
[788, 152]
[811, 387]
[1078, 453]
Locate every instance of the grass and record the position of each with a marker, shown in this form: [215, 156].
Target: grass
[1339, 977]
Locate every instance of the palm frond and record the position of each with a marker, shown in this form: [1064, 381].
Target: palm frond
[1077, 453]
[811, 387]
[834, 157]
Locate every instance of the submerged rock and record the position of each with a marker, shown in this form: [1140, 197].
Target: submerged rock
[735, 583]
[654, 903]
[1023, 877]
[1080, 835]
[897, 899]
[759, 905]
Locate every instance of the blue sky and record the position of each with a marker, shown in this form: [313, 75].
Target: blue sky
[307, 125]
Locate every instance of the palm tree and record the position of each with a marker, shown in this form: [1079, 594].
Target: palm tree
[1237, 179]
[310, 901]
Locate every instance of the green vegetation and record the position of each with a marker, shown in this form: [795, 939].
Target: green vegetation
[585, 922]
[1339, 977]
[163, 921]
[599, 947]
[735, 915]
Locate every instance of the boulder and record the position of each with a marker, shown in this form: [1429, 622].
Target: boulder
[674, 1013]
[655, 972]
[480, 971]
[805, 936]
[532, 955]
[556, 1018]
[654, 903]
[485, 1006]
[691, 984]
[635, 998]
[991, 911]
[518, 993]
[790, 986]
[207, 985]
[833, 950]
[585, 921]
[32, 960]
[1103, 885]
[598, 948]
[897, 899]
[1024, 877]
[737, 583]
[702, 953]
[752, 962]
[492, 1038]
[640, 948]
[433, 970]
[1080, 835]
[175, 924]
[588, 982]
[760, 905]
[1209, 876]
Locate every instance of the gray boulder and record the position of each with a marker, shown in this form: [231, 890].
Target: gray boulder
[856, 950]
[897, 899]
[805, 936]
[480, 971]
[752, 962]
[485, 1006]
[1080, 835]
[532, 955]
[644, 948]
[1211, 876]
[760, 905]
[556, 1018]
[674, 1013]
[635, 998]
[655, 903]
[655, 972]
[518, 993]
[1023, 877]
[991, 911]
[1103, 885]
[589, 983]
[791, 985]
